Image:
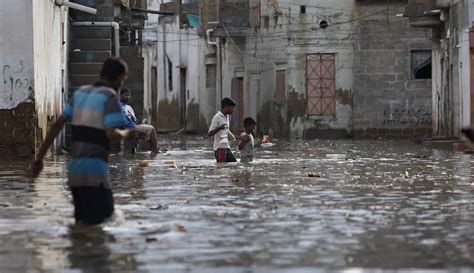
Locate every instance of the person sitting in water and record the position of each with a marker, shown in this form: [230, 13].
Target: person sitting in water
[132, 122]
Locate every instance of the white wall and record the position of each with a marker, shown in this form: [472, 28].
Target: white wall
[50, 36]
[466, 19]
[183, 47]
[471, 11]
[16, 53]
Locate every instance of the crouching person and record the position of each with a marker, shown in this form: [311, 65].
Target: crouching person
[132, 122]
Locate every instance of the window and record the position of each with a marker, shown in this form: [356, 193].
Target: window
[420, 64]
[254, 18]
[170, 75]
[321, 84]
[302, 9]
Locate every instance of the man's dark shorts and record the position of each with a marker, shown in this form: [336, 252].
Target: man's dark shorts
[224, 155]
[92, 205]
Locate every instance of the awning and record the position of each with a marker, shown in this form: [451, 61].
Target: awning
[193, 20]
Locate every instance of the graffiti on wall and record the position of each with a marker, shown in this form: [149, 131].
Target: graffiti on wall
[17, 85]
[415, 116]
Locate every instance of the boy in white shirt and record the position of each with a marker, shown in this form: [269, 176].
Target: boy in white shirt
[220, 131]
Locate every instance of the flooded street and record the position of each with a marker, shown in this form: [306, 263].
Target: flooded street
[300, 207]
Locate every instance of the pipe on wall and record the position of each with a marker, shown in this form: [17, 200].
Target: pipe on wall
[76, 6]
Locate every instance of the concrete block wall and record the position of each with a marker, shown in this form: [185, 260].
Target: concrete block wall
[387, 101]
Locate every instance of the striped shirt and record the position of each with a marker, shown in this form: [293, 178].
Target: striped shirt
[91, 111]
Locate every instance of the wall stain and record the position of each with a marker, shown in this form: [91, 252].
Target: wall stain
[296, 106]
[344, 97]
[195, 121]
[270, 121]
[168, 115]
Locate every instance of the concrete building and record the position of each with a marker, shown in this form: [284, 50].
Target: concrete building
[33, 51]
[180, 56]
[312, 69]
[453, 40]
[392, 73]
[299, 62]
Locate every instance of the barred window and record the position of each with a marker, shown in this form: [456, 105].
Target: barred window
[421, 64]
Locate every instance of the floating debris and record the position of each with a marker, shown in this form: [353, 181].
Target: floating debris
[159, 207]
[143, 163]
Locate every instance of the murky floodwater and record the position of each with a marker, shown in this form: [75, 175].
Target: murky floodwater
[367, 205]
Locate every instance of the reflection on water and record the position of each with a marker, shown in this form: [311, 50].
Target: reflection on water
[90, 252]
[299, 207]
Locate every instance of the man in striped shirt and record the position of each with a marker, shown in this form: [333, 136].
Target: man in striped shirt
[95, 115]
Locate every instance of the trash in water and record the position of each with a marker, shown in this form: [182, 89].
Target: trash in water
[159, 207]
[180, 228]
[268, 144]
[314, 175]
[149, 240]
[143, 163]
[170, 164]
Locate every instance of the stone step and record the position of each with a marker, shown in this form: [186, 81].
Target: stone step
[91, 33]
[91, 45]
[89, 56]
[78, 80]
[85, 68]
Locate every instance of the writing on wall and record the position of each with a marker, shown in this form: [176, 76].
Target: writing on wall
[414, 116]
[17, 84]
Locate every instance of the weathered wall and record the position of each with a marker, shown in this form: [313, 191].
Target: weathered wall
[464, 58]
[150, 58]
[184, 49]
[17, 110]
[451, 86]
[16, 53]
[283, 43]
[33, 59]
[387, 101]
[50, 60]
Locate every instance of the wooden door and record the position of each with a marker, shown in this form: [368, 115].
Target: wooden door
[321, 85]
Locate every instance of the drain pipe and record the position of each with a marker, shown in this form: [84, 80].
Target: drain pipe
[216, 43]
[76, 6]
[114, 25]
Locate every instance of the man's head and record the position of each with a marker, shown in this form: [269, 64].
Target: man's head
[125, 95]
[114, 72]
[227, 106]
[250, 124]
